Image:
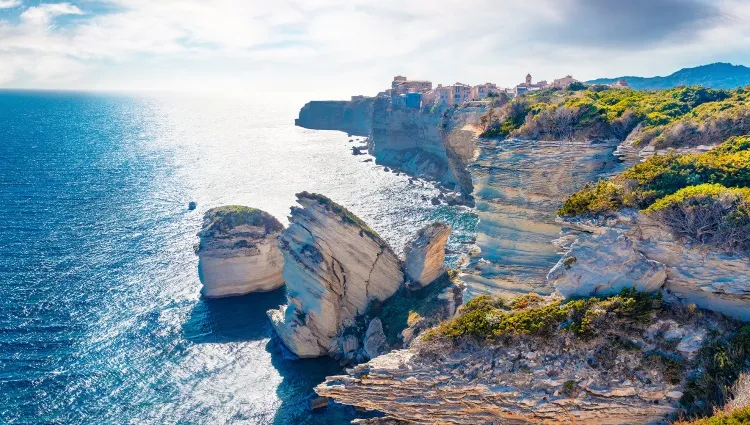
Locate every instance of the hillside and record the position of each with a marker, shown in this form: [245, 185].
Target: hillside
[716, 75]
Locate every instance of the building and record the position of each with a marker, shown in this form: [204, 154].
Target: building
[481, 91]
[401, 85]
[529, 86]
[620, 84]
[460, 93]
[413, 100]
[564, 82]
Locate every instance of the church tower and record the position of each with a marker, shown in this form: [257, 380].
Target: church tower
[528, 78]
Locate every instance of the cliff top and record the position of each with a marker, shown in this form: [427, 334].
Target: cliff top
[346, 215]
[226, 217]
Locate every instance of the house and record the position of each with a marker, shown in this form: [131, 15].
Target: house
[529, 86]
[402, 85]
[564, 82]
[460, 93]
[481, 91]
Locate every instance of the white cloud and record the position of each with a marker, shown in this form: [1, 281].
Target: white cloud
[343, 46]
[9, 4]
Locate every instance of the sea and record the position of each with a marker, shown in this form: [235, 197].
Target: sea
[101, 320]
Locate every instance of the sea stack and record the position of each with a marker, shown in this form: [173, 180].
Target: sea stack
[238, 252]
[425, 254]
[334, 266]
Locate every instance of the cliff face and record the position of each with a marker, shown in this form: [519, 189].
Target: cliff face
[238, 252]
[436, 145]
[695, 274]
[353, 117]
[518, 187]
[613, 378]
[335, 266]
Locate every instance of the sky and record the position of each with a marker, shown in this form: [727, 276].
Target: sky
[335, 48]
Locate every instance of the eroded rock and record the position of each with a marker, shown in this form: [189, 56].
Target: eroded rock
[238, 252]
[425, 254]
[335, 265]
[605, 264]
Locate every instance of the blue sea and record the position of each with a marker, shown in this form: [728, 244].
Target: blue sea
[101, 321]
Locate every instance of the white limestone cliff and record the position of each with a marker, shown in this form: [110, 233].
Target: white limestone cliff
[238, 252]
[425, 253]
[695, 274]
[335, 266]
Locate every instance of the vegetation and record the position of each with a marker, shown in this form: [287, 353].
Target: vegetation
[704, 198]
[721, 363]
[682, 116]
[488, 318]
[221, 219]
[736, 417]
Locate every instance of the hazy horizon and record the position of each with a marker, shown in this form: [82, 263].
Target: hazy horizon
[334, 48]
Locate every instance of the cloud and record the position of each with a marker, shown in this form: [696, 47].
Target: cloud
[44, 13]
[353, 45]
[9, 4]
[629, 24]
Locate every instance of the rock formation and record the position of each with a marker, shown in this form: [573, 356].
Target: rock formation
[588, 269]
[353, 117]
[238, 252]
[433, 144]
[625, 374]
[519, 185]
[695, 274]
[425, 254]
[335, 266]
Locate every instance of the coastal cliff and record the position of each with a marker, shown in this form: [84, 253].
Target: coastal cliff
[695, 274]
[353, 117]
[335, 266]
[238, 252]
[518, 187]
[622, 360]
[436, 144]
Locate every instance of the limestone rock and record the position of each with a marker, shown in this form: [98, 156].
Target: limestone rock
[425, 253]
[375, 341]
[695, 274]
[238, 252]
[335, 265]
[605, 264]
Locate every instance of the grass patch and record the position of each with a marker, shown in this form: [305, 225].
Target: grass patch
[736, 417]
[346, 215]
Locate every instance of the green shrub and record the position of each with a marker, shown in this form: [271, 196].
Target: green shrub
[644, 184]
[736, 417]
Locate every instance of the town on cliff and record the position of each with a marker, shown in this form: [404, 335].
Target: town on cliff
[610, 281]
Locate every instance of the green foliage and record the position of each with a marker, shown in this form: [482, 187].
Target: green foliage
[721, 362]
[682, 116]
[736, 417]
[221, 219]
[488, 318]
[660, 176]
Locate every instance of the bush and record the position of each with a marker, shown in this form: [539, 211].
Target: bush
[708, 214]
[645, 183]
[488, 318]
[736, 417]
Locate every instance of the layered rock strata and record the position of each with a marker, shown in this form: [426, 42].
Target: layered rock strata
[518, 187]
[335, 266]
[238, 252]
[527, 380]
[425, 254]
[353, 117]
[695, 274]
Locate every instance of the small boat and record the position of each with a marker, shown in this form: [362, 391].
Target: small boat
[192, 205]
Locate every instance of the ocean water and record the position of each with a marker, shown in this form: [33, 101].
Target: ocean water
[101, 319]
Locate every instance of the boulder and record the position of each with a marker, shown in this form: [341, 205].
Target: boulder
[238, 252]
[375, 341]
[605, 264]
[335, 266]
[425, 254]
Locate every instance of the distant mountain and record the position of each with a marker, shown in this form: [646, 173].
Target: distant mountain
[716, 75]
